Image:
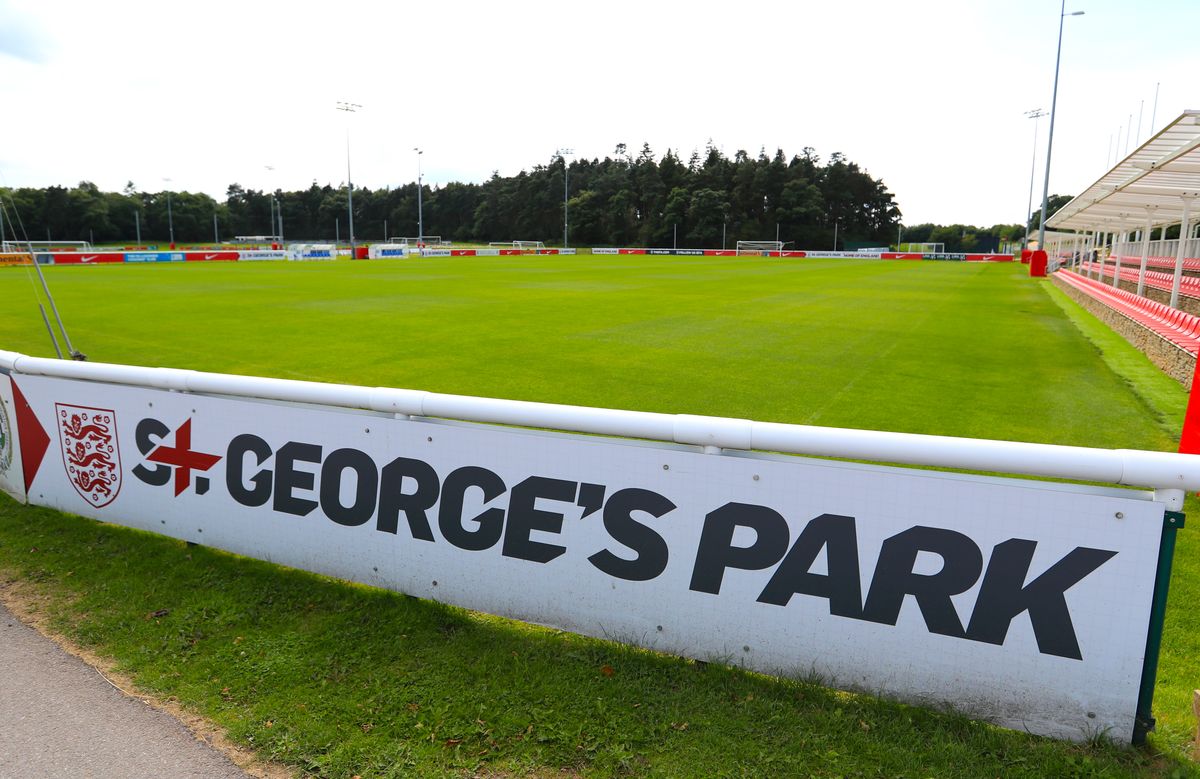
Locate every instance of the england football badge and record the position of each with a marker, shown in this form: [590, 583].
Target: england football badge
[88, 437]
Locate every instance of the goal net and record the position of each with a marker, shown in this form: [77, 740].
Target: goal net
[759, 247]
[922, 248]
[528, 246]
[21, 246]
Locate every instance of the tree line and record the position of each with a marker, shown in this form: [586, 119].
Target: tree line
[625, 199]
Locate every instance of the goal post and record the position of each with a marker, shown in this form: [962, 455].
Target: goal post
[758, 248]
[922, 248]
[527, 246]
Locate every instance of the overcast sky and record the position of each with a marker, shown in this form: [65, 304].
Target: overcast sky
[927, 95]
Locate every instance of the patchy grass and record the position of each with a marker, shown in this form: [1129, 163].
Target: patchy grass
[342, 680]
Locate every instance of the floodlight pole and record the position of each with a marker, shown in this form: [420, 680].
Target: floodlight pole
[276, 221]
[420, 194]
[835, 231]
[137, 225]
[1035, 114]
[562, 155]
[351, 108]
[1154, 111]
[216, 234]
[1053, 113]
[170, 220]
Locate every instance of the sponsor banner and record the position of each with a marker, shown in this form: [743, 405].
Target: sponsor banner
[720, 253]
[683, 252]
[631, 251]
[254, 255]
[462, 252]
[1018, 601]
[11, 476]
[787, 253]
[568, 251]
[436, 252]
[315, 252]
[903, 256]
[948, 256]
[511, 252]
[15, 258]
[154, 257]
[842, 255]
[43, 258]
[989, 258]
[87, 258]
[547, 251]
[384, 250]
[487, 252]
[606, 251]
[212, 256]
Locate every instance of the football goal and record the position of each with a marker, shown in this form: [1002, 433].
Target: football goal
[923, 248]
[22, 246]
[530, 246]
[759, 248]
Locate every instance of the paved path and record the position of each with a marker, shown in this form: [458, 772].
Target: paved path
[59, 718]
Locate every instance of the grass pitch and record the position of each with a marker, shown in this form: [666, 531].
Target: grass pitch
[342, 680]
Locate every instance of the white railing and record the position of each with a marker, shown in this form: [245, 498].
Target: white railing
[1169, 248]
[1159, 470]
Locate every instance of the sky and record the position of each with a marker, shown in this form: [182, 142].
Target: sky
[927, 95]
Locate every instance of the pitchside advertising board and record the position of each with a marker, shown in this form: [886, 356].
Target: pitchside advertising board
[1022, 602]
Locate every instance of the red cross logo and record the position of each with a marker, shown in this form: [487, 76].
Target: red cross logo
[184, 459]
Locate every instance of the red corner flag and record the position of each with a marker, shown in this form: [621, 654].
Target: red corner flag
[1189, 439]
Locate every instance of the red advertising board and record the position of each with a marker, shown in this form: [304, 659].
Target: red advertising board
[462, 252]
[633, 251]
[902, 256]
[87, 258]
[720, 253]
[210, 256]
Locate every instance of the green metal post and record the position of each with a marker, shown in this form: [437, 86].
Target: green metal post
[1143, 719]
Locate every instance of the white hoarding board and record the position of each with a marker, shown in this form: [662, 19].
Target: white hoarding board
[251, 255]
[1022, 602]
[820, 255]
[383, 250]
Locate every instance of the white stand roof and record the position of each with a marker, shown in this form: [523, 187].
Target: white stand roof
[1149, 187]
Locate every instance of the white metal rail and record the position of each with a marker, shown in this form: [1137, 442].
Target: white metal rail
[1169, 473]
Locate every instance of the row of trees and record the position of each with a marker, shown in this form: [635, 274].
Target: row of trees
[627, 199]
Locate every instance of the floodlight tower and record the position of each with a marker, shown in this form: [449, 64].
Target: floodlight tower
[420, 213]
[170, 220]
[1062, 16]
[1035, 114]
[276, 208]
[562, 155]
[351, 108]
